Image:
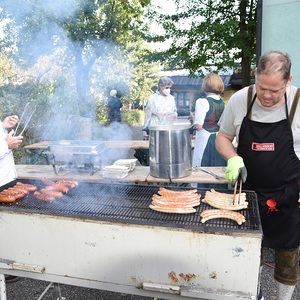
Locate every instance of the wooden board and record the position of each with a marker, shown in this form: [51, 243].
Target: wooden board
[139, 174]
[134, 144]
[197, 176]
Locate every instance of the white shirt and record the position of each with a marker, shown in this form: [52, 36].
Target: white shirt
[236, 109]
[202, 135]
[7, 165]
[160, 110]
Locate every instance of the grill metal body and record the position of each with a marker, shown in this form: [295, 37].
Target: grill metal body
[76, 154]
[106, 237]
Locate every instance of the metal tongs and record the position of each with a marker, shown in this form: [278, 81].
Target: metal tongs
[235, 188]
[212, 173]
[26, 116]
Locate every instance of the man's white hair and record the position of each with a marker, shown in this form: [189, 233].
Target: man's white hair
[113, 93]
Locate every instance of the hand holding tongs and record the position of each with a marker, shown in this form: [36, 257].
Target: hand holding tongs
[240, 190]
[26, 116]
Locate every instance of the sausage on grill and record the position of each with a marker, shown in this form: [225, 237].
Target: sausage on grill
[54, 193]
[7, 198]
[57, 187]
[44, 197]
[27, 186]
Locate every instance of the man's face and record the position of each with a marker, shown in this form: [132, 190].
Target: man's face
[270, 89]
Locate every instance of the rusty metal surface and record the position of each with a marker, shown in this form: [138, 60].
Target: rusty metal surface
[127, 203]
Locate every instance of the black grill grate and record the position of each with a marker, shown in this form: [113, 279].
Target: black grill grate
[127, 203]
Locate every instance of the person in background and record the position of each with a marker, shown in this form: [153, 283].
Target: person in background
[8, 142]
[7, 165]
[161, 107]
[114, 106]
[262, 118]
[205, 120]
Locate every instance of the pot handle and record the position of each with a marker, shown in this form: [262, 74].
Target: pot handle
[192, 130]
[146, 129]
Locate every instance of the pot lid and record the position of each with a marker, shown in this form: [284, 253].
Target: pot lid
[174, 127]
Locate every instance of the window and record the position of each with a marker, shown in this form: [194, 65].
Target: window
[182, 99]
[182, 102]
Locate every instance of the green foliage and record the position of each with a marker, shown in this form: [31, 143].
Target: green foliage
[92, 32]
[133, 117]
[102, 113]
[13, 100]
[129, 116]
[144, 72]
[208, 33]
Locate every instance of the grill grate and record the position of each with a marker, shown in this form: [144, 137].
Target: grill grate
[127, 203]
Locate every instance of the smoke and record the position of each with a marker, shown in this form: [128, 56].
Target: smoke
[22, 8]
[116, 132]
[51, 56]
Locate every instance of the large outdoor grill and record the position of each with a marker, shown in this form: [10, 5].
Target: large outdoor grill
[75, 154]
[105, 236]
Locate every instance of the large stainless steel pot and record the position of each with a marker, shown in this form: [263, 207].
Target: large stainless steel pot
[170, 151]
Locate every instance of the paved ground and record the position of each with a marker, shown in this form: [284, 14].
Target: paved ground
[28, 289]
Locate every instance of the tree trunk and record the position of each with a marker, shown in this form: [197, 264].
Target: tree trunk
[246, 72]
[246, 63]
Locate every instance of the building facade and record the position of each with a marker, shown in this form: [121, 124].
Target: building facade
[186, 90]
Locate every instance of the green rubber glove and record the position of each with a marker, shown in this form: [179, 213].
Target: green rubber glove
[235, 168]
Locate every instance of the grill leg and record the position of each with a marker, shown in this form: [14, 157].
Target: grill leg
[45, 291]
[57, 287]
[2, 287]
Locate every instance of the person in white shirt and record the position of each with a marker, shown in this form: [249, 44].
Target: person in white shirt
[8, 142]
[161, 106]
[205, 120]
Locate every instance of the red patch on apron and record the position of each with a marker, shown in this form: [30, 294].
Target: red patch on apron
[272, 205]
[263, 146]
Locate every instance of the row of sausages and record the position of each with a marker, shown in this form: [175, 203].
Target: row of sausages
[18, 191]
[54, 190]
[50, 192]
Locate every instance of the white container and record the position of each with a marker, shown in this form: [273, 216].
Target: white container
[114, 171]
[129, 163]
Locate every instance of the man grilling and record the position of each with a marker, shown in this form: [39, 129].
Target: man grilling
[267, 159]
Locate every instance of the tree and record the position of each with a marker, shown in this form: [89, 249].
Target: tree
[208, 33]
[90, 31]
[144, 72]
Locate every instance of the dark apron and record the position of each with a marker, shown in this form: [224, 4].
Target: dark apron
[211, 156]
[273, 170]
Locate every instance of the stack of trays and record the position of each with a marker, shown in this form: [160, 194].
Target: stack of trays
[129, 163]
[119, 169]
[115, 171]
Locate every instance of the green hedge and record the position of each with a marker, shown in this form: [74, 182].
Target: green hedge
[129, 116]
[133, 117]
